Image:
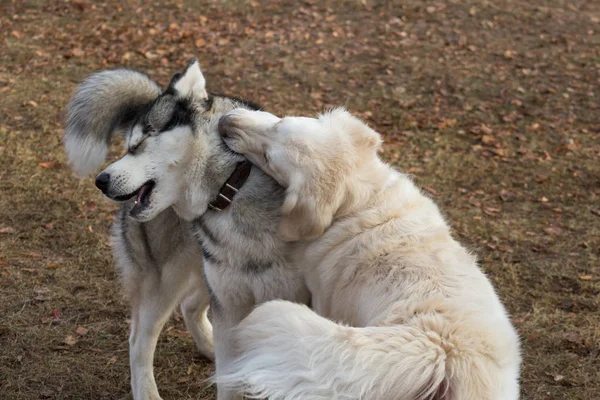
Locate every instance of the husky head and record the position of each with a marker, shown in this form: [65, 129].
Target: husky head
[174, 152]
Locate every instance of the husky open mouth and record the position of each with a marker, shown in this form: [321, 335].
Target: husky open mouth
[142, 196]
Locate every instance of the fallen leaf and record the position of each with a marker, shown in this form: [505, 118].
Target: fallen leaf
[7, 229]
[81, 330]
[54, 266]
[70, 340]
[573, 337]
[500, 152]
[544, 199]
[200, 42]
[558, 378]
[553, 230]
[48, 164]
[586, 277]
[486, 129]
[505, 195]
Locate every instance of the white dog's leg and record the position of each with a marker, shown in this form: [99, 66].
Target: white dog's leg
[155, 299]
[195, 313]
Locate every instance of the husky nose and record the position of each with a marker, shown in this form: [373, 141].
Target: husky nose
[102, 181]
[224, 123]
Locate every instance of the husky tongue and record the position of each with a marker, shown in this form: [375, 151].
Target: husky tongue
[142, 196]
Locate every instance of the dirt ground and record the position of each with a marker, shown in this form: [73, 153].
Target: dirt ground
[491, 105]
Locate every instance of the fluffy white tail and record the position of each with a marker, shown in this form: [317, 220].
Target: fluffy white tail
[289, 352]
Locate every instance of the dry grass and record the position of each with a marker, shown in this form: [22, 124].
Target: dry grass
[493, 106]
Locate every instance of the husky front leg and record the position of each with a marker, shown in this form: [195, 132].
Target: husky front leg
[194, 309]
[224, 319]
[153, 301]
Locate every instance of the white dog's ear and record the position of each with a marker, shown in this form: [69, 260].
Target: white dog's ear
[363, 137]
[191, 83]
[305, 212]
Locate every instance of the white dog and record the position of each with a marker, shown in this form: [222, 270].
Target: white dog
[417, 319]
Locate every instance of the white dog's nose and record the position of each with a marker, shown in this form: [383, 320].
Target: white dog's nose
[224, 125]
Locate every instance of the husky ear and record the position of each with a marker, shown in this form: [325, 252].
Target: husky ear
[104, 104]
[305, 214]
[191, 83]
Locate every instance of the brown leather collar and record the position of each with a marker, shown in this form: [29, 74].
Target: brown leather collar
[231, 186]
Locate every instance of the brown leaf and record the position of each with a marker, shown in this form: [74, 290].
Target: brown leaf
[505, 195]
[200, 42]
[500, 152]
[81, 330]
[54, 266]
[553, 230]
[487, 139]
[586, 277]
[573, 337]
[48, 164]
[486, 129]
[77, 52]
[16, 34]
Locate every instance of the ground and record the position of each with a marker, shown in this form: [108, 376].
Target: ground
[492, 106]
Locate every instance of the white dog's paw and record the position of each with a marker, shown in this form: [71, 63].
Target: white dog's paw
[241, 124]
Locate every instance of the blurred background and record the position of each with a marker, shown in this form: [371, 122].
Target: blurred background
[491, 105]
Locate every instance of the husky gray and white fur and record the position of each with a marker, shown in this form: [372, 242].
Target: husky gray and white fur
[176, 163]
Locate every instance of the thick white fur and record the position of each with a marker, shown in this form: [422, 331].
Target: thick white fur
[419, 319]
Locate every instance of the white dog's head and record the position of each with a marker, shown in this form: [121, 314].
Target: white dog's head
[316, 160]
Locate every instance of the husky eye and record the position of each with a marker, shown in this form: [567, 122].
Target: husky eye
[133, 148]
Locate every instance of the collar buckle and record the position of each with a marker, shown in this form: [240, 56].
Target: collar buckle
[230, 188]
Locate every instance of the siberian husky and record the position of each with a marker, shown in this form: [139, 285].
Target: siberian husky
[185, 198]
[402, 311]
